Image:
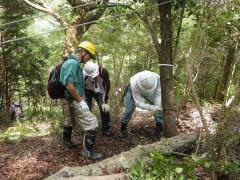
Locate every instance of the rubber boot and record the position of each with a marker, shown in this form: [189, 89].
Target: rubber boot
[88, 144]
[67, 135]
[123, 133]
[108, 133]
[159, 130]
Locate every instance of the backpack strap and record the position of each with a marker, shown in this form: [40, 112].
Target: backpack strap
[101, 70]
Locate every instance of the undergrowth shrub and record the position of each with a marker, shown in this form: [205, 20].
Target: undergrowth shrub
[19, 130]
[44, 115]
[4, 116]
[221, 161]
[225, 149]
[167, 167]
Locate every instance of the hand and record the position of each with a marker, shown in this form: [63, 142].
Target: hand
[105, 107]
[156, 108]
[84, 105]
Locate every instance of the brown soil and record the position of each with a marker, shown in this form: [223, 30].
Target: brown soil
[39, 157]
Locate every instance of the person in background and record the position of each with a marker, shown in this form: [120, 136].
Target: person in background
[97, 86]
[16, 111]
[75, 108]
[12, 111]
[143, 86]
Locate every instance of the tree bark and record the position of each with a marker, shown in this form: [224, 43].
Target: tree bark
[5, 76]
[126, 159]
[2, 75]
[166, 72]
[164, 51]
[106, 177]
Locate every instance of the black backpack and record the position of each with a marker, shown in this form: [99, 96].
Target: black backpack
[55, 88]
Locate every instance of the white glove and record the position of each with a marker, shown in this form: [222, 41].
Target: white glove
[105, 107]
[84, 105]
[156, 108]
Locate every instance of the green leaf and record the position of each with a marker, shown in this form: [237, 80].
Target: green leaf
[179, 170]
[194, 158]
[206, 165]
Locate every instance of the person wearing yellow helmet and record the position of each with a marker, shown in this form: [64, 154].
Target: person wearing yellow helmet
[75, 108]
[89, 47]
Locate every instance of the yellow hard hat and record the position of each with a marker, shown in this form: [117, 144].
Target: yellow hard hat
[89, 47]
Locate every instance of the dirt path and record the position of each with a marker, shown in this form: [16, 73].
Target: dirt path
[39, 157]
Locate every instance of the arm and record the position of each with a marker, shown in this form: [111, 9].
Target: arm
[68, 77]
[139, 101]
[72, 91]
[158, 95]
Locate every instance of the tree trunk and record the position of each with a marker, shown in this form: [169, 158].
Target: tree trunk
[20, 97]
[126, 159]
[105, 177]
[226, 74]
[179, 29]
[5, 74]
[2, 75]
[166, 72]
[71, 39]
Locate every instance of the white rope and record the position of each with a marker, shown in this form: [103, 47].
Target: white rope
[167, 65]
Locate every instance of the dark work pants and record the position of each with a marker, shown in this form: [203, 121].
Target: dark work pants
[105, 116]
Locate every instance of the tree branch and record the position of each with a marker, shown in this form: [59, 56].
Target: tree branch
[148, 25]
[47, 9]
[88, 15]
[97, 15]
[196, 99]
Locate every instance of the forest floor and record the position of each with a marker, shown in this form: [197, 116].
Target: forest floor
[40, 157]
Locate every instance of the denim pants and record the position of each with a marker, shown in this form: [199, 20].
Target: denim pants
[130, 107]
[105, 116]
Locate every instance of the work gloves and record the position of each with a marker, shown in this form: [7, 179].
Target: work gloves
[156, 108]
[84, 105]
[105, 107]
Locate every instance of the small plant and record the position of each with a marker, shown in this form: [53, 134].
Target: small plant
[167, 168]
[224, 151]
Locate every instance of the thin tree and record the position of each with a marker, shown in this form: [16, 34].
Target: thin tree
[164, 52]
[166, 72]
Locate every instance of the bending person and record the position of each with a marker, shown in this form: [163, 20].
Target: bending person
[97, 86]
[143, 86]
